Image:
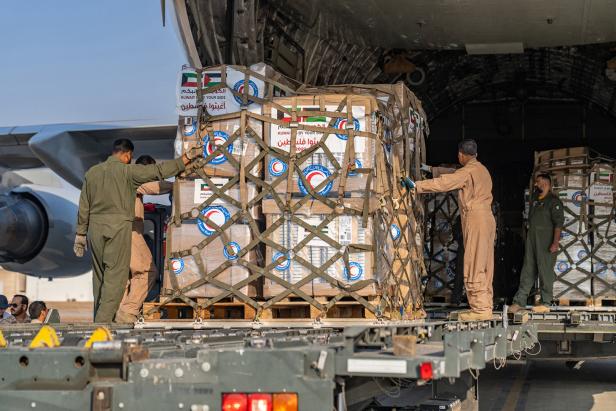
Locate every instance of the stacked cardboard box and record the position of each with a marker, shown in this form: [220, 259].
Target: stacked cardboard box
[321, 155]
[296, 194]
[324, 237]
[601, 194]
[441, 245]
[325, 164]
[216, 200]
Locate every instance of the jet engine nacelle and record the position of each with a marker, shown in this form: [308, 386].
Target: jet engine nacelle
[37, 226]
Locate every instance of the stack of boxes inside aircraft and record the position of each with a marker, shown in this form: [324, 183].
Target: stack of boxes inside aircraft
[586, 262]
[295, 194]
[441, 247]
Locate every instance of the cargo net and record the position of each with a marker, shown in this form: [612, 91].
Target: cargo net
[441, 246]
[298, 197]
[586, 262]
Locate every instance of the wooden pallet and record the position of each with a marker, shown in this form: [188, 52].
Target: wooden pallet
[575, 302]
[289, 308]
[605, 301]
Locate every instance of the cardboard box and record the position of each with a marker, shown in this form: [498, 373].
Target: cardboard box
[602, 173]
[312, 207]
[573, 271]
[220, 133]
[602, 196]
[185, 270]
[319, 165]
[342, 230]
[576, 213]
[438, 282]
[561, 180]
[194, 193]
[604, 270]
[574, 159]
[223, 101]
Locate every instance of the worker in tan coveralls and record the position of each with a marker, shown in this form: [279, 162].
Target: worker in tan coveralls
[478, 226]
[105, 218]
[142, 268]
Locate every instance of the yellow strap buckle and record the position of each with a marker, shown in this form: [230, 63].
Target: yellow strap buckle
[3, 342]
[101, 334]
[45, 338]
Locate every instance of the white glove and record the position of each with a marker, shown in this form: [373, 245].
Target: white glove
[80, 245]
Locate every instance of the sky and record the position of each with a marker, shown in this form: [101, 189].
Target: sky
[69, 61]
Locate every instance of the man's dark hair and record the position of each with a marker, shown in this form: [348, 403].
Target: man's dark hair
[122, 145]
[36, 308]
[545, 176]
[145, 160]
[23, 298]
[468, 147]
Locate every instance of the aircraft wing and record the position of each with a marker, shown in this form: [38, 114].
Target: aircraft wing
[71, 149]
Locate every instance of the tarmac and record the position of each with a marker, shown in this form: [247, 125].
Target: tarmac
[549, 386]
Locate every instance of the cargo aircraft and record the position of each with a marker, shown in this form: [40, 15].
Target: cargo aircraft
[448, 52]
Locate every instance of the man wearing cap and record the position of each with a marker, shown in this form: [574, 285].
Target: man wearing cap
[5, 315]
[545, 222]
[474, 183]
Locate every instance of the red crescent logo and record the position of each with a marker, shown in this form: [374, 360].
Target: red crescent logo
[312, 175]
[211, 215]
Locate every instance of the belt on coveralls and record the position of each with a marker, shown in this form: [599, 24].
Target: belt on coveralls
[104, 218]
[467, 210]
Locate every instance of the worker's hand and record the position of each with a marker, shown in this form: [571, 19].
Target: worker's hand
[407, 183]
[554, 248]
[191, 154]
[80, 245]
[185, 159]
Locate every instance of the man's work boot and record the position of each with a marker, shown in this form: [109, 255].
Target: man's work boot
[474, 316]
[514, 308]
[122, 317]
[541, 309]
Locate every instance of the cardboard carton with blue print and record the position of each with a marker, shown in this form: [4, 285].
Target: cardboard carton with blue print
[224, 258]
[323, 133]
[573, 270]
[196, 196]
[221, 146]
[304, 243]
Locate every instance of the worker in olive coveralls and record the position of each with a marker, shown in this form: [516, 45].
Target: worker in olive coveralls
[545, 222]
[106, 213]
[474, 183]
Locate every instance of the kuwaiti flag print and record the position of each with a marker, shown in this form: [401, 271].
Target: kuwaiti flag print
[189, 79]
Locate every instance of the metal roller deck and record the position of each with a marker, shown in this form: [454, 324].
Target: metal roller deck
[189, 365]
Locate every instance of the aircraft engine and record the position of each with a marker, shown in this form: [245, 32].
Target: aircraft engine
[38, 230]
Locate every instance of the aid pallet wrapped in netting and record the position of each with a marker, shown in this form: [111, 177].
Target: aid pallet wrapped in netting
[294, 193]
[585, 266]
[441, 245]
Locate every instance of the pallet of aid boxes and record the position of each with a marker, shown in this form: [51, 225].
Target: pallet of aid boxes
[603, 255]
[441, 251]
[331, 173]
[212, 243]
